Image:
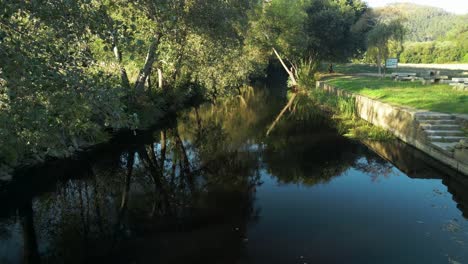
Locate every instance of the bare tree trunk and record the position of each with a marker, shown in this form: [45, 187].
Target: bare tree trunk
[160, 78]
[150, 58]
[379, 61]
[149, 82]
[290, 73]
[118, 57]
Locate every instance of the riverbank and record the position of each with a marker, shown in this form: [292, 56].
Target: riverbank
[406, 124]
[109, 135]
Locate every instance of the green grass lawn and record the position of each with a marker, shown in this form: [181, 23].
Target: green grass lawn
[439, 98]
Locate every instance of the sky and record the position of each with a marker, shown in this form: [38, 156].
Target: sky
[454, 6]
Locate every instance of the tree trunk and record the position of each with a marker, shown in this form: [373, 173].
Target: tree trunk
[118, 57]
[160, 78]
[182, 40]
[150, 58]
[290, 73]
[379, 61]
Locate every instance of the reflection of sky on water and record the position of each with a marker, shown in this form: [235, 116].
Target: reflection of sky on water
[354, 219]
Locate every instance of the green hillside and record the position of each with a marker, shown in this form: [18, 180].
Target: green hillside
[424, 23]
[432, 34]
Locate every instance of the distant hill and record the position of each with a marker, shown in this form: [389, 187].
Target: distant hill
[424, 23]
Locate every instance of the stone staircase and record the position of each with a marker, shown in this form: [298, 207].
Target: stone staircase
[442, 131]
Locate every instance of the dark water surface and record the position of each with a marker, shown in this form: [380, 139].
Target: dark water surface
[211, 188]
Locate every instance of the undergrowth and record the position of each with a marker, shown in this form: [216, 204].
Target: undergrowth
[345, 119]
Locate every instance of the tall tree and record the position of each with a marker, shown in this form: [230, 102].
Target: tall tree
[380, 38]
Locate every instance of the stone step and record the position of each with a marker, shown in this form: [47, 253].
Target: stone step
[438, 122]
[440, 127]
[448, 148]
[434, 117]
[445, 133]
[447, 139]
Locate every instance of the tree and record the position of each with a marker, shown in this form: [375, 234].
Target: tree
[380, 38]
[336, 30]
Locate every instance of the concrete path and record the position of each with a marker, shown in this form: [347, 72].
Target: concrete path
[435, 66]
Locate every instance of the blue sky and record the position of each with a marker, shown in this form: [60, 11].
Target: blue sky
[454, 6]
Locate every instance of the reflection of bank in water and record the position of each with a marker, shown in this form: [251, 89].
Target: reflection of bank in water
[418, 165]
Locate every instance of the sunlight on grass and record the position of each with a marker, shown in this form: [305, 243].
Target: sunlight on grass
[439, 98]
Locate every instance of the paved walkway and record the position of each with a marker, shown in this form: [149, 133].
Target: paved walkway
[435, 66]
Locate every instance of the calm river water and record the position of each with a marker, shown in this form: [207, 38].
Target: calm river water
[210, 187]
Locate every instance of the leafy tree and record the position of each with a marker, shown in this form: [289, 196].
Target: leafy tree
[336, 30]
[380, 38]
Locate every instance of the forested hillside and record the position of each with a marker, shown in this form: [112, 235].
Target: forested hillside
[432, 35]
[423, 23]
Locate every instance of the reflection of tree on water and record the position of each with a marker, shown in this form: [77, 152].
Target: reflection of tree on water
[306, 149]
[31, 253]
[157, 191]
[200, 196]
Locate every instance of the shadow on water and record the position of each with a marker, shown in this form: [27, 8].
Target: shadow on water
[185, 193]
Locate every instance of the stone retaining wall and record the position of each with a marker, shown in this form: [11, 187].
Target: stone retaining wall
[400, 121]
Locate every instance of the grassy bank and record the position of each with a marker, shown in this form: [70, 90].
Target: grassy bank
[439, 98]
[344, 117]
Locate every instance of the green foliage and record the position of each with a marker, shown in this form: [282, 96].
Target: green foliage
[344, 118]
[431, 52]
[313, 30]
[72, 70]
[54, 95]
[335, 30]
[384, 34]
[305, 73]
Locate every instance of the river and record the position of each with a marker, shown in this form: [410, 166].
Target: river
[210, 187]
